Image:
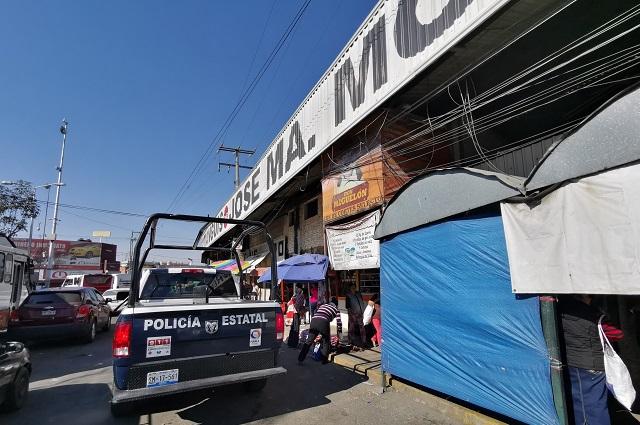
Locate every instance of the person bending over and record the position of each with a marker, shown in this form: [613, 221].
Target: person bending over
[321, 325]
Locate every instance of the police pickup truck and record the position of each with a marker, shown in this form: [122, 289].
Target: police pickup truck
[190, 328]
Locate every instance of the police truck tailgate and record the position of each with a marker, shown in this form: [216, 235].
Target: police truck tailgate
[172, 344]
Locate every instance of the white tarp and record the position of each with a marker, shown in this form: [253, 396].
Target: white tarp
[582, 238]
[351, 245]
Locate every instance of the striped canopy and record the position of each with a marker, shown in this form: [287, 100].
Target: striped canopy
[230, 265]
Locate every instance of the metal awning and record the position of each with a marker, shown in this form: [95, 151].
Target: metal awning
[610, 138]
[444, 193]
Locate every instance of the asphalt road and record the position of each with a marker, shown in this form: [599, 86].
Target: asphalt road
[71, 381]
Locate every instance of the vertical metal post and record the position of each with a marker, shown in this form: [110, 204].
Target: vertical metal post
[52, 239]
[46, 214]
[383, 380]
[550, 330]
[236, 164]
[30, 236]
[237, 174]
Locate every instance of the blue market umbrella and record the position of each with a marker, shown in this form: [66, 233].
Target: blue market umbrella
[305, 267]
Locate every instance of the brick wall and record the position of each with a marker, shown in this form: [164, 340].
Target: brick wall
[312, 229]
[310, 234]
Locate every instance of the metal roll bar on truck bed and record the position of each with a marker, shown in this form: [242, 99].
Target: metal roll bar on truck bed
[149, 229]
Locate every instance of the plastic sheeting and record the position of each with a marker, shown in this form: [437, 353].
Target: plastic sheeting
[582, 238]
[451, 323]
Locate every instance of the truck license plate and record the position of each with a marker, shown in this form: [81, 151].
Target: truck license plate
[162, 377]
[48, 312]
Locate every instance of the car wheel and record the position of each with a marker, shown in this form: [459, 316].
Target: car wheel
[107, 325]
[121, 409]
[255, 386]
[17, 392]
[91, 333]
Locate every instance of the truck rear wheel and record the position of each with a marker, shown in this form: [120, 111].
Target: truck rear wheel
[255, 386]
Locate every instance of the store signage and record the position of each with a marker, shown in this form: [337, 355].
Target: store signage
[359, 188]
[351, 245]
[71, 257]
[397, 40]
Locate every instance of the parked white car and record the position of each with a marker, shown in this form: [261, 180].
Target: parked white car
[115, 297]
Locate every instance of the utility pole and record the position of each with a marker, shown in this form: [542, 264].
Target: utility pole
[237, 151]
[52, 237]
[132, 242]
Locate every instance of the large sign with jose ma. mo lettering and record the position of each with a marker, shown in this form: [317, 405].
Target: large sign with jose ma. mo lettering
[397, 40]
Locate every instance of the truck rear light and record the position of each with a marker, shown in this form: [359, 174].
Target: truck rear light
[122, 339]
[279, 326]
[13, 316]
[192, 270]
[83, 311]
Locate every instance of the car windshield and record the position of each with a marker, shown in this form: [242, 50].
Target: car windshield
[93, 280]
[72, 298]
[163, 284]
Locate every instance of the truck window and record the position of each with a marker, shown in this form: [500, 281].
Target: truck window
[97, 280]
[8, 268]
[1, 265]
[181, 285]
[18, 270]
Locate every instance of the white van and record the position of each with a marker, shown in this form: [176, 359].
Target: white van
[121, 280]
[100, 281]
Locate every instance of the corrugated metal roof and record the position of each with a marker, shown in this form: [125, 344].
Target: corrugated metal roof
[610, 138]
[444, 193]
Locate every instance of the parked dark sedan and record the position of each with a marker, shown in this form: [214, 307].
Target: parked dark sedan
[60, 313]
[15, 369]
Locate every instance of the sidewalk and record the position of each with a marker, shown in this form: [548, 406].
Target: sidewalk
[367, 363]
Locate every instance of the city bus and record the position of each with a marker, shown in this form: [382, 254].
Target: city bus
[16, 268]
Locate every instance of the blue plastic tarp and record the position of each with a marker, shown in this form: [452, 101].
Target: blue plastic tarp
[451, 323]
[304, 267]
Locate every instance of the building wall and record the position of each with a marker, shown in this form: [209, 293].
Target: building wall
[312, 229]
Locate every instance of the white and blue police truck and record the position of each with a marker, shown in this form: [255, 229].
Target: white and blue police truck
[191, 328]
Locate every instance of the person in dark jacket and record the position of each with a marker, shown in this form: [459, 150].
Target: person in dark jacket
[585, 359]
[355, 308]
[321, 326]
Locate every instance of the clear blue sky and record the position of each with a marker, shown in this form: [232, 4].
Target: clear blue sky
[146, 85]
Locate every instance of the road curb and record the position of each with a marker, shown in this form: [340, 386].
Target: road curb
[369, 366]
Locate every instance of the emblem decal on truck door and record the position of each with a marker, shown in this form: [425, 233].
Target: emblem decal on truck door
[211, 326]
[255, 337]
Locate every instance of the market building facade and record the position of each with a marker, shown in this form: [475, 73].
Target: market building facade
[484, 83]
[426, 86]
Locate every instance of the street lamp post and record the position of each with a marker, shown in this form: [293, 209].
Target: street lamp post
[48, 187]
[46, 213]
[52, 238]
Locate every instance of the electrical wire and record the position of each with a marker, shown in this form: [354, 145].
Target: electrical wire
[238, 107]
